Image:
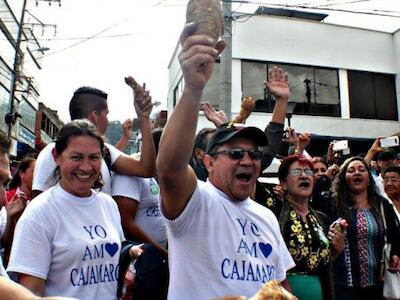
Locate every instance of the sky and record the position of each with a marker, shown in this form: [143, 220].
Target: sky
[99, 42]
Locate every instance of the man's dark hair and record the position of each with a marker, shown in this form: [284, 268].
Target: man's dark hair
[86, 100]
[201, 140]
[393, 169]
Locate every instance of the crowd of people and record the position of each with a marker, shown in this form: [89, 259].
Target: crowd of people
[68, 216]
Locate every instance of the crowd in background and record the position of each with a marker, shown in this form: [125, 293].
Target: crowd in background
[73, 215]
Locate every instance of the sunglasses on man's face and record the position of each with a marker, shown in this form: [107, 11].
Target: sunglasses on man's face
[238, 153]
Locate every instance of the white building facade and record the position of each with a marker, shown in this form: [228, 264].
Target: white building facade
[345, 81]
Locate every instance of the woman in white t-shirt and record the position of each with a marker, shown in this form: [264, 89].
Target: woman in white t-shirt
[68, 240]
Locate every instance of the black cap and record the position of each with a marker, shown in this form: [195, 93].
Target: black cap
[387, 154]
[232, 130]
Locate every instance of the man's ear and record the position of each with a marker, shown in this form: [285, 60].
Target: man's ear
[208, 163]
[92, 117]
[55, 156]
[199, 153]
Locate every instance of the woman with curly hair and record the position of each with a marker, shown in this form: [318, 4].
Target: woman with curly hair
[357, 269]
[304, 230]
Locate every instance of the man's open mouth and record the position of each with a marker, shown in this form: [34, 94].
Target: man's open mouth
[243, 177]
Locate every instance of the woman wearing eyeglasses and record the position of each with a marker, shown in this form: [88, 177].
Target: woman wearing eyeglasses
[356, 200]
[304, 230]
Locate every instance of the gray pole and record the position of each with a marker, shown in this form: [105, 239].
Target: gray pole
[225, 73]
[15, 73]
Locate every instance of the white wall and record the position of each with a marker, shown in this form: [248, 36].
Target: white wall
[313, 43]
[396, 46]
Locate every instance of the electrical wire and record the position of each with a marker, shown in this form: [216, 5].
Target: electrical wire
[81, 41]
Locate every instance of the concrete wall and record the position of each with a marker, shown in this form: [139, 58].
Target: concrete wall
[287, 40]
[313, 43]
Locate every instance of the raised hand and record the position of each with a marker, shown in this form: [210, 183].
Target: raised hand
[127, 127]
[218, 117]
[277, 83]
[304, 140]
[142, 98]
[197, 57]
[16, 206]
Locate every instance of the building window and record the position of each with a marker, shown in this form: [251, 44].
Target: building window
[372, 95]
[210, 92]
[315, 90]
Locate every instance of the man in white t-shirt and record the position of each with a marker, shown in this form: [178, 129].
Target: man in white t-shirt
[137, 200]
[220, 241]
[91, 103]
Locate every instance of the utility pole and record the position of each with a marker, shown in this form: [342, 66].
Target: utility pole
[11, 116]
[225, 71]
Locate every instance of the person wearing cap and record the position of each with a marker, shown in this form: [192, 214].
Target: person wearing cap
[220, 241]
[386, 157]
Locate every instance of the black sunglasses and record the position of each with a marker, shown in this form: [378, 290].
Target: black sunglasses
[238, 153]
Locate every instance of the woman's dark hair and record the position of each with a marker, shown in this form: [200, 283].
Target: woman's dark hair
[288, 161]
[22, 167]
[342, 198]
[318, 159]
[80, 127]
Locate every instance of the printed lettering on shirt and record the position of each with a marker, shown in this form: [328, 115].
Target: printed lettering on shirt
[96, 267]
[254, 264]
[153, 211]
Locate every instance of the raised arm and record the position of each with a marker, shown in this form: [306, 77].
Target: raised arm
[177, 180]
[375, 148]
[145, 167]
[278, 85]
[218, 117]
[126, 133]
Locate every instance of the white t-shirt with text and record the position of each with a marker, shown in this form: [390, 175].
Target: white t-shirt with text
[72, 243]
[219, 247]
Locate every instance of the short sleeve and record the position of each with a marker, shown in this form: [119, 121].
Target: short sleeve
[31, 250]
[286, 261]
[126, 186]
[114, 153]
[44, 169]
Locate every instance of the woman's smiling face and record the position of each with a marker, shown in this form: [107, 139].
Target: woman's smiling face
[80, 165]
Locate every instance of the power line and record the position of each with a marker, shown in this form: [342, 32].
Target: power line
[82, 41]
[84, 37]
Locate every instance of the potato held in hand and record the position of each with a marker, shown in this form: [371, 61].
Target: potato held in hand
[207, 16]
[273, 291]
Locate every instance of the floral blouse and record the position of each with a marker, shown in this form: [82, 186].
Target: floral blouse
[307, 241]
